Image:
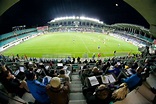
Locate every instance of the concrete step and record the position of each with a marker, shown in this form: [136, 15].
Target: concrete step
[76, 96]
[75, 87]
[75, 72]
[11, 101]
[28, 97]
[77, 102]
[151, 80]
[76, 82]
[75, 77]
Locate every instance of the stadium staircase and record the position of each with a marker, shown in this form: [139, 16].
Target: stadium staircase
[76, 95]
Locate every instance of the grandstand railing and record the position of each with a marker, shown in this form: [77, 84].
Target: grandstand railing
[58, 55]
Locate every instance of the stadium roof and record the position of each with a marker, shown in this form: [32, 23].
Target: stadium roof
[73, 17]
[147, 8]
[135, 27]
[6, 4]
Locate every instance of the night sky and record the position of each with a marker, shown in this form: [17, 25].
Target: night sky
[38, 12]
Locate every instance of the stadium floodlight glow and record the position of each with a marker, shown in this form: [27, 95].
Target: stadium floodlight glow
[77, 17]
[63, 18]
[91, 19]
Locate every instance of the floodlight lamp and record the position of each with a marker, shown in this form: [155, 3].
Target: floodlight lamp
[100, 22]
[82, 18]
[73, 17]
[77, 17]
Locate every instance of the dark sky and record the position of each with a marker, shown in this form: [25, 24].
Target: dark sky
[38, 12]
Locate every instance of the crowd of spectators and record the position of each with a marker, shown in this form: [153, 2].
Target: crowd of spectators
[76, 29]
[129, 72]
[49, 83]
[135, 39]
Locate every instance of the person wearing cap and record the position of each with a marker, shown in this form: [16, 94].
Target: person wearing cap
[58, 93]
[37, 89]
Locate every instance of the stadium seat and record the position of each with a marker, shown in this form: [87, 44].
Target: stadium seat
[75, 67]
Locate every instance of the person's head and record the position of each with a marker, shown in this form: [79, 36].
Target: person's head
[31, 69]
[139, 69]
[3, 68]
[102, 91]
[52, 72]
[55, 82]
[30, 75]
[62, 72]
[116, 65]
[8, 75]
[95, 70]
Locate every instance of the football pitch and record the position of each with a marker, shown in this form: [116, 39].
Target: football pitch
[74, 44]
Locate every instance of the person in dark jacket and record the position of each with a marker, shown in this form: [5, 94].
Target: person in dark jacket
[95, 71]
[14, 85]
[102, 95]
[58, 93]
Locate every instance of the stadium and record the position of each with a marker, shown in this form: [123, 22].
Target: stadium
[64, 34]
[77, 45]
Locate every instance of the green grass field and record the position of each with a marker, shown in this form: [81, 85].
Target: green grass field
[72, 44]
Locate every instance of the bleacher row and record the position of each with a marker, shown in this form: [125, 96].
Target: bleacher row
[12, 36]
[136, 36]
[140, 93]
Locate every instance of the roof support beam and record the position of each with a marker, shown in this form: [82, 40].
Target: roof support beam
[147, 8]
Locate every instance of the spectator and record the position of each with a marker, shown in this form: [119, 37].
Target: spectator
[85, 73]
[13, 85]
[53, 73]
[115, 70]
[95, 72]
[78, 60]
[121, 92]
[102, 95]
[58, 93]
[73, 60]
[134, 80]
[63, 76]
[146, 69]
[37, 89]
[135, 65]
